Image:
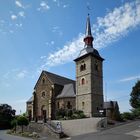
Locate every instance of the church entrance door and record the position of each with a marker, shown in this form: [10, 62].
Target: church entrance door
[44, 113]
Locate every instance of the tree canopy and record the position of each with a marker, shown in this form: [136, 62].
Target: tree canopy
[6, 114]
[22, 121]
[135, 96]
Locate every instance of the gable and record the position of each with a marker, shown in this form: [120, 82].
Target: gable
[42, 80]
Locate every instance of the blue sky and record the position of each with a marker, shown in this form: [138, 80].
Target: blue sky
[40, 35]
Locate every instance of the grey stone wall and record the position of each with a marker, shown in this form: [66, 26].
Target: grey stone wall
[42, 100]
[89, 96]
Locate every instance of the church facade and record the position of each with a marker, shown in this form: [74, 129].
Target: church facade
[53, 92]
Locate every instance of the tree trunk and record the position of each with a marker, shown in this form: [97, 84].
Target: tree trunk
[22, 128]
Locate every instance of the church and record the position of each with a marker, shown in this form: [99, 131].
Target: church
[53, 92]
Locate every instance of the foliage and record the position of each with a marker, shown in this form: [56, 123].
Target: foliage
[69, 114]
[6, 115]
[22, 121]
[135, 96]
[24, 114]
[78, 114]
[127, 116]
[14, 124]
[136, 112]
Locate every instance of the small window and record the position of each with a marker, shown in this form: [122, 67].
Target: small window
[83, 81]
[83, 67]
[83, 105]
[43, 94]
[43, 81]
[69, 105]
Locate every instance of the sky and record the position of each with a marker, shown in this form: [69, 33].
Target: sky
[38, 35]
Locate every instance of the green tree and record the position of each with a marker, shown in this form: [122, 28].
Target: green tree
[135, 96]
[136, 112]
[6, 115]
[14, 124]
[22, 121]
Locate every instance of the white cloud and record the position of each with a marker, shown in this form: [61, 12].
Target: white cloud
[16, 16]
[42, 57]
[15, 74]
[22, 74]
[56, 29]
[65, 6]
[52, 42]
[43, 6]
[19, 4]
[13, 17]
[130, 78]
[66, 54]
[11, 31]
[21, 14]
[57, 2]
[19, 25]
[108, 29]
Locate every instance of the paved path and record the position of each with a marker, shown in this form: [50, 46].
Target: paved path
[4, 136]
[130, 131]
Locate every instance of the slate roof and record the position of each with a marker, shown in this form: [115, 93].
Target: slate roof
[68, 91]
[110, 104]
[30, 100]
[57, 79]
[89, 51]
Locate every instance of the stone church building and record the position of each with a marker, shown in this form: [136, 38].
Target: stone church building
[53, 92]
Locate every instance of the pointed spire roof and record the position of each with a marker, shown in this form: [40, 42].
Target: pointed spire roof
[88, 27]
[88, 48]
[88, 35]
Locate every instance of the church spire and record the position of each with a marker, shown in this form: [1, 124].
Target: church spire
[88, 35]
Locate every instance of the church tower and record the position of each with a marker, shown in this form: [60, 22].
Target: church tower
[89, 77]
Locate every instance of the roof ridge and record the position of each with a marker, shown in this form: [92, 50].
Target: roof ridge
[58, 75]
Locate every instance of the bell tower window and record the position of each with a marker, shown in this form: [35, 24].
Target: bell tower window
[83, 67]
[83, 81]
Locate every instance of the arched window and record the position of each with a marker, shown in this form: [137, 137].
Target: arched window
[83, 105]
[43, 94]
[83, 81]
[69, 105]
[83, 67]
[43, 81]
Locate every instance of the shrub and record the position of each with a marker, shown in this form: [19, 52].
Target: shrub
[14, 124]
[127, 116]
[69, 114]
[22, 121]
[136, 112]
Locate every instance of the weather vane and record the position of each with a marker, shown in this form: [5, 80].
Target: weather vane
[88, 8]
